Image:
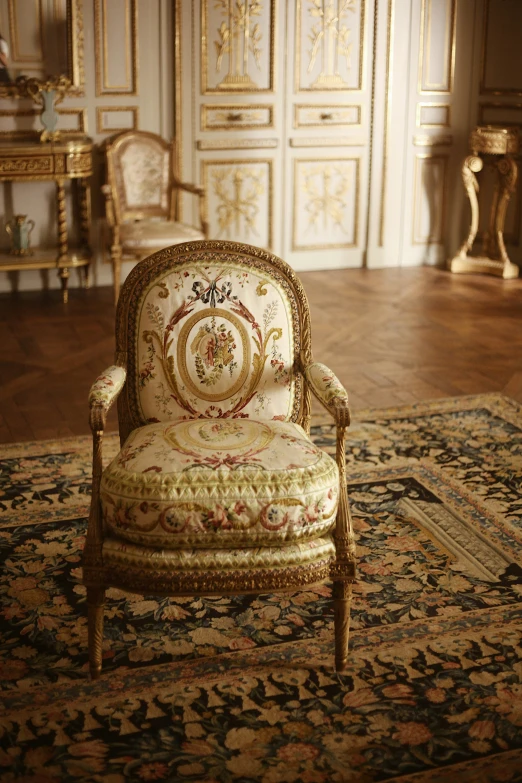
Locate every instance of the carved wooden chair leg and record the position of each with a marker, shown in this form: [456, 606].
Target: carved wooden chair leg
[342, 594]
[95, 605]
[116, 271]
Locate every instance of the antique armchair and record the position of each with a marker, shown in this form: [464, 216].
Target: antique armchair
[218, 488]
[142, 199]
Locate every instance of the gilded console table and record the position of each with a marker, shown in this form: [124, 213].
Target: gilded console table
[497, 146]
[67, 159]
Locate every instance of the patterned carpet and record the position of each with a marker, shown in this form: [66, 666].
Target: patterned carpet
[221, 689]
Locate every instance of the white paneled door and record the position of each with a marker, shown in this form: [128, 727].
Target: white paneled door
[333, 131]
[274, 112]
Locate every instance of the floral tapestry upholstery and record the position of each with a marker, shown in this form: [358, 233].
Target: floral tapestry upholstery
[215, 341]
[154, 234]
[227, 483]
[107, 386]
[118, 552]
[143, 176]
[324, 383]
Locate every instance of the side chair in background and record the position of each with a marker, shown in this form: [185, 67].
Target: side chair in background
[142, 199]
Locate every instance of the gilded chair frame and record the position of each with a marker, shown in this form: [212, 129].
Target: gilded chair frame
[98, 576]
[115, 211]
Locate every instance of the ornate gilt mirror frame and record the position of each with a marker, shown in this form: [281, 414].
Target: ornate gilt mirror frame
[75, 71]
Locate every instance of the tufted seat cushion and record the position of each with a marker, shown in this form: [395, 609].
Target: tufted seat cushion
[219, 483]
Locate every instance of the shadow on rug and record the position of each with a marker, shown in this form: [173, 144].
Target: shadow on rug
[243, 688]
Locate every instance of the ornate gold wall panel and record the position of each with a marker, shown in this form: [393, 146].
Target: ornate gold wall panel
[44, 37]
[26, 21]
[239, 199]
[501, 52]
[79, 126]
[236, 144]
[429, 198]
[433, 115]
[326, 141]
[325, 203]
[116, 64]
[237, 46]
[437, 46]
[113, 119]
[435, 140]
[329, 44]
[504, 114]
[308, 115]
[23, 123]
[236, 116]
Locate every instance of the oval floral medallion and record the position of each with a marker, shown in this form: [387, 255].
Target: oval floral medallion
[219, 435]
[213, 354]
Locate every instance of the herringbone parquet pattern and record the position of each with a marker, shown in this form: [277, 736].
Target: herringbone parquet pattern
[393, 336]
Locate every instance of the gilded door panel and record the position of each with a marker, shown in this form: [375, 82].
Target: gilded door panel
[437, 46]
[310, 115]
[328, 117]
[237, 51]
[330, 42]
[236, 116]
[239, 199]
[326, 204]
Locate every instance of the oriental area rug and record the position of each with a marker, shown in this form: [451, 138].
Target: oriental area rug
[227, 689]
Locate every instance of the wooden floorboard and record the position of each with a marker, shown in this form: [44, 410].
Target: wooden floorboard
[393, 336]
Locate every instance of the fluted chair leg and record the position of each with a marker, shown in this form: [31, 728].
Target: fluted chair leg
[95, 605]
[342, 594]
[116, 271]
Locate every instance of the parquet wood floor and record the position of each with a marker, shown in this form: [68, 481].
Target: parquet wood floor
[393, 336]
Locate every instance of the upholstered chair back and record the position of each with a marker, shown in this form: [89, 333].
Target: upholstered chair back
[141, 169]
[211, 329]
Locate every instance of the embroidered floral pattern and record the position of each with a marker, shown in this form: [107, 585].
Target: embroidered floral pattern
[324, 384]
[107, 386]
[274, 484]
[221, 338]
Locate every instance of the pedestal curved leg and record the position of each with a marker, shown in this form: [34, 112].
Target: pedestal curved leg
[508, 173]
[472, 165]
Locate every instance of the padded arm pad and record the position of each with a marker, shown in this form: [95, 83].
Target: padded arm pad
[106, 387]
[329, 391]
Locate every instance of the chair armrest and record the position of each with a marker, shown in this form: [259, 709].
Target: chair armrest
[329, 391]
[196, 191]
[103, 393]
[189, 187]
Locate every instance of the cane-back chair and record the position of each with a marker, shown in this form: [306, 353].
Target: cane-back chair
[218, 488]
[142, 199]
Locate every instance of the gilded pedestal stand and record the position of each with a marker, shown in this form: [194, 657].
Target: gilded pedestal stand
[497, 145]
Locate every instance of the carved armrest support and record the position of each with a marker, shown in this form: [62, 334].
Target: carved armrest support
[197, 191]
[344, 568]
[330, 392]
[109, 205]
[189, 187]
[103, 393]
